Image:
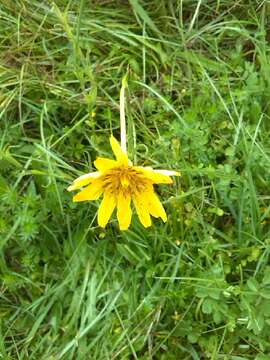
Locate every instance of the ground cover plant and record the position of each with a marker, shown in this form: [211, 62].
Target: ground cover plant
[197, 287]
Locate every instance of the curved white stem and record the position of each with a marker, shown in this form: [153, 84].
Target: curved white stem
[122, 115]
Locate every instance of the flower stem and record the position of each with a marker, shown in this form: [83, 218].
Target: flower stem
[122, 114]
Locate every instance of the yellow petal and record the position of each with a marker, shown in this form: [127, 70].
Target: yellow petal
[124, 213]
[140, 203]
[155, 207]
[168, 172]
[120, 155]
[103, 164]
[106, 209]
[91, 192]
[83, 180]
[154, 176]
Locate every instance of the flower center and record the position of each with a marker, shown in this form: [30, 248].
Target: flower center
[124, 179]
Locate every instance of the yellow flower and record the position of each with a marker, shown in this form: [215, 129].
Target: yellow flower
[120, 182]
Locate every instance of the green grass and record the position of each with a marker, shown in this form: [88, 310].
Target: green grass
[198, 95]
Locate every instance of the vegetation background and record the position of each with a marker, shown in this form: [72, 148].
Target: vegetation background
[197, 101]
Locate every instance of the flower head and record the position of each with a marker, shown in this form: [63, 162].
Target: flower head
[120, 183]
